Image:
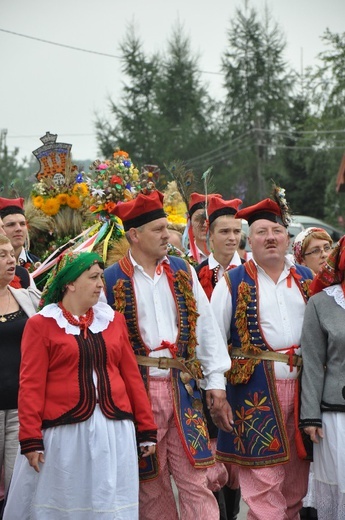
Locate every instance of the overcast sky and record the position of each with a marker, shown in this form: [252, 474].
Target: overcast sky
[48, 87]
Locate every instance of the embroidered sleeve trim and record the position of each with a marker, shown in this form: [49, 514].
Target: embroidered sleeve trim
[304, 423]
[28, 445]
[147, 436]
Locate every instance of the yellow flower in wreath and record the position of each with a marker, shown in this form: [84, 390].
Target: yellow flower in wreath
[63, 198]
[81, 189]
[120, 153]
[50, 206]
[74, 202]
[38, 201]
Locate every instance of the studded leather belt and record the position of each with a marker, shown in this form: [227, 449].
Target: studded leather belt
[164, 363]
[185, 374]
[268, 355]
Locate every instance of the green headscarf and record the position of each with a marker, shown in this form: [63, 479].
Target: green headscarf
[68, 268]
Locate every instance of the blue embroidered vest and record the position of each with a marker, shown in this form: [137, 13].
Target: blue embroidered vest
[190, 421]
[259, 436]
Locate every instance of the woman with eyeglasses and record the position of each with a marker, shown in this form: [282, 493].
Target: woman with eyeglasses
[323, 383]
[311, 248]
[16, 306]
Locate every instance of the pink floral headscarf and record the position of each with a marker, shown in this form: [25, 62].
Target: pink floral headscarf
[299, 241]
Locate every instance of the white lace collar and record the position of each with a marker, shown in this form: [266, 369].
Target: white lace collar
[336, 292]
[103, 315]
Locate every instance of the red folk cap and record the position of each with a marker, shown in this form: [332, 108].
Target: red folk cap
[265, 209]
[218, 207]
[141, 210]
[196, 201]
[11, 206]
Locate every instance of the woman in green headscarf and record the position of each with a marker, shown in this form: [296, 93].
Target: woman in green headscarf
[82, 405]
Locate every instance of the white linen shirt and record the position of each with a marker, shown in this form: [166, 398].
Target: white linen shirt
[281, 311]
[202, 256]
[212, 263]
[157, 317]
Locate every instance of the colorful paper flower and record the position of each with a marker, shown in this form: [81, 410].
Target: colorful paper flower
[113, 181]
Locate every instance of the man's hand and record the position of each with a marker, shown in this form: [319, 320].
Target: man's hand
[34, 458]
[314, 433]
[220, 409]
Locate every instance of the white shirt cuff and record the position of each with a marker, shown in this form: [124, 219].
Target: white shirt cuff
[214, 381]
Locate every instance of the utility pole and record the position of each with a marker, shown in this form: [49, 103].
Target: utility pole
[259, 154]
[3, 161]
[3, 135]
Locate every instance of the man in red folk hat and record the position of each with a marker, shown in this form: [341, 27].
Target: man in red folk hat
[259, 308]
[197, 227]
[175, 336]
[14, 226]
[224, 237]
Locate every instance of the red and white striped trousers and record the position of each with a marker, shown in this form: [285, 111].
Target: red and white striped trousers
[157, 500]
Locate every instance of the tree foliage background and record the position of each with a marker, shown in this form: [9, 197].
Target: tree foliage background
[274, 123]
[16, 177]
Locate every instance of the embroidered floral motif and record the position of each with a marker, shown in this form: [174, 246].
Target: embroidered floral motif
[191, 416]
[239, 444]
[253, 423]
[305, 284]
[257, 404]
[196, 432]
[143, 463]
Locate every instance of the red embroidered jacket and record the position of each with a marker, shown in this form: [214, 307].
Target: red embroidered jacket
[57, 386]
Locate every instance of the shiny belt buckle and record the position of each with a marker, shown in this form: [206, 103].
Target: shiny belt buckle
[163, 363]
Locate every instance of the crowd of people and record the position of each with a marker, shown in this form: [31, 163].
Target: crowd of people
[211, 372]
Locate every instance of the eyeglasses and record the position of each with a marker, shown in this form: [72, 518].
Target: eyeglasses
[11, 225]
[318, 250]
